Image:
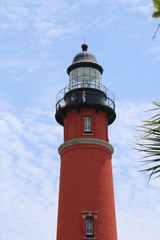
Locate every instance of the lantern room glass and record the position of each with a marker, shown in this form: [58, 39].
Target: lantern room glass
[85, 77]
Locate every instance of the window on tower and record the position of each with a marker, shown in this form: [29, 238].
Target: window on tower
[89, 227]
[87, 124]
[89, 219]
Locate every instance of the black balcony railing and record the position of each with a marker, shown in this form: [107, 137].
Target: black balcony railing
[94, 95]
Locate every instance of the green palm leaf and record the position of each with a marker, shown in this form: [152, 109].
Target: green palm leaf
[149, 143]
[156, 14]
[156, 4]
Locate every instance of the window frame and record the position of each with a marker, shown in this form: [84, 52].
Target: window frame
[89, 227]
[87, 124]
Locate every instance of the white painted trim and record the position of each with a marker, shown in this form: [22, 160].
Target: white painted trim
[90, 212]
[85, 141]
[90, 238]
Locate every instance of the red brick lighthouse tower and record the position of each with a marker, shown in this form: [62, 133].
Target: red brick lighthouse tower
[86, 198]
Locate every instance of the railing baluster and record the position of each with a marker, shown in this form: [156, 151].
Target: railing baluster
[60, 101]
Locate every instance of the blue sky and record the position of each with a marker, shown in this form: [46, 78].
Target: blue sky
[38, 40]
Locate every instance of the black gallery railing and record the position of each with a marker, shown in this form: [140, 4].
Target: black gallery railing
[103, 97]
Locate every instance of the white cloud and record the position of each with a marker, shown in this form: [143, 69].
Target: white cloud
[103, 22]
[75, 6]
[146, 9]
[153, 49]
[30, 63]
[44, 18]
[136, 35]
[90, 1]
[157, 59]
[48, 20]
[134, 2]
[29, 175]
[137, 5]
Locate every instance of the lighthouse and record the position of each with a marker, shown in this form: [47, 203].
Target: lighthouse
[85, 108]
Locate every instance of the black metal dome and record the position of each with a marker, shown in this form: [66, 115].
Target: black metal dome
[84, 56]
[84, 59]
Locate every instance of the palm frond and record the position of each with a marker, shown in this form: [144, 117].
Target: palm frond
[149, 142]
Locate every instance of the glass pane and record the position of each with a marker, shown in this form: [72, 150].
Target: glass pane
[73, 84]
[80, 71]
[75, 72]
[86, 71]
[89, 226]
[87, 124]
[73, 79]
[98, 74]
[80, 78]
[92, 78]
[93, 72]
[86, 78]
[86, 85]
[71, 74]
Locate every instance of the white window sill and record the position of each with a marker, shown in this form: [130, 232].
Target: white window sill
[90, 238]
[91, 134]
